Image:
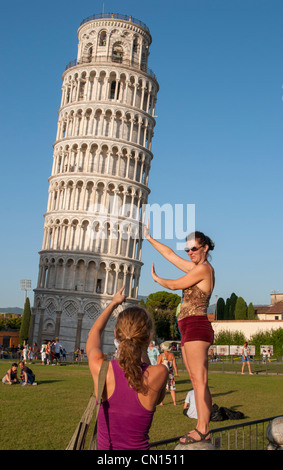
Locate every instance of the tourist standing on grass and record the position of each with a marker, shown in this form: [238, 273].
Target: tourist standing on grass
[168, 359]
[25, 353]
[43, 353]
[48, 353]
[152, 353]
[30, 354]
[196, 330]
[133, 387]
[246, 358]
[35, 351]
[57, 352]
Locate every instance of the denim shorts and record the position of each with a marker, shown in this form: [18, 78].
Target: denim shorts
[30, 379]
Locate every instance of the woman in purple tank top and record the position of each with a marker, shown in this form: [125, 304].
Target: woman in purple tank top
[133, 386]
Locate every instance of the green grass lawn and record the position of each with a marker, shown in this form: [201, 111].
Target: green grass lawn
[43, 417]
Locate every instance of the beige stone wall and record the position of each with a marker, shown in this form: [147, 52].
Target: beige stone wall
[248, 328]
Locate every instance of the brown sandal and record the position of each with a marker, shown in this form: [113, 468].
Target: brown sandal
[191, 440]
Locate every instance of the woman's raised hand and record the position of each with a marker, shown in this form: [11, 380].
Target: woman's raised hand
[146, 230]
[153, 273]
[119, 297]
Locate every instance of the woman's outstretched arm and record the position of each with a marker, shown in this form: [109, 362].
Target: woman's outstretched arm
[167, 252]
[94, 342]
[190, 279]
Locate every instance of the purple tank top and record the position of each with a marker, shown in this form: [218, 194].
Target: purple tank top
[123, 423]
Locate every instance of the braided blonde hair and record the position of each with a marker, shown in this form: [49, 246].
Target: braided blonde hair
[133, 331]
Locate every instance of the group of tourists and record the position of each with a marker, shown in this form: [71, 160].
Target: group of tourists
[27, 377]
[51, 352]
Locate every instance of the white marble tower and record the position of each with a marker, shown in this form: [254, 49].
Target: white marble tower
[102, 155]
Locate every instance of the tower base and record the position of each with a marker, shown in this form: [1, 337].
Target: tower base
[69, 317]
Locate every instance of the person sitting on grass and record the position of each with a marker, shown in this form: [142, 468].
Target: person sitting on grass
[27, 375]
[11, 378]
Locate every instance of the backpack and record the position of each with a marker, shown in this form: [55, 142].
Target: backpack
[222, 413]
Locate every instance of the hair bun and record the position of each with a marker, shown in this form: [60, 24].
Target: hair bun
[203, 239]
[210, 243]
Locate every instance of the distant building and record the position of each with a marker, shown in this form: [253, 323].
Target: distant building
[274, 311]
[9, 337]
[270, 312]
[7, 315]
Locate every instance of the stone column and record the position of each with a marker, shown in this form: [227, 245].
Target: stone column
[32, 322]
[79, 330]
[58, 323]
[39, 336]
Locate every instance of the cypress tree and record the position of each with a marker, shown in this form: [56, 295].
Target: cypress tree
[240, 309]
[25, 325]
[227, 309]
[233, 301]
[220, 309]
[251, 312]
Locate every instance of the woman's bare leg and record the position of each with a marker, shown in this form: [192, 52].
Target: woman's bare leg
[185, 359]
[196, 358]
[173, 395]
[249, 366]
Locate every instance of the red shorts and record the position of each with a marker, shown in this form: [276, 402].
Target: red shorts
[196, 328]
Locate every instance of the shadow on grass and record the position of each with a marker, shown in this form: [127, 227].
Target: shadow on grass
[180, 382]
[43, 382]
[223, 393]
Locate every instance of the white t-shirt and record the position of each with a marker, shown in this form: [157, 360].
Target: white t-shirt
[191, 411]
[57, 347]
[153, 355]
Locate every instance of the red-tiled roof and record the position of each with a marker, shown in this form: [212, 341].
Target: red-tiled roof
[211, 316]
[276, 308]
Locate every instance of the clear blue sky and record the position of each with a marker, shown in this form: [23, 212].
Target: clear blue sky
[218, 137]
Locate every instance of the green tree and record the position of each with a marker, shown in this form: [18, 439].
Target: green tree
[230, 307]
[277, 341]
[227, 309]
[229, 337]
[14, 323]
[233, 301]
[142, 303]
[220, 309]
[270, 337]
[162, 300]
[164, 321]
[240, 309]
[251, 312]
[25, 325]
[162, 305]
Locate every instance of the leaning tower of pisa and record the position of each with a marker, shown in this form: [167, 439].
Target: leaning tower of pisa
[99, 182]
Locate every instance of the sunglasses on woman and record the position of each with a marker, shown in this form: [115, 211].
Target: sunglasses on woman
[194, 248]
